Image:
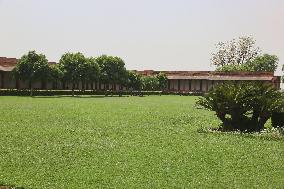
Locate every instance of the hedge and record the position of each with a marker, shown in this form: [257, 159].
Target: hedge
[14, 92]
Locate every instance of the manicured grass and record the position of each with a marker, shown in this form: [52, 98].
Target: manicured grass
[128, 142]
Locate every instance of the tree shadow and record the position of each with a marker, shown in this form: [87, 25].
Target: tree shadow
[5, 186]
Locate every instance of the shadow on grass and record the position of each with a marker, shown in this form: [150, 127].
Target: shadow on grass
[274, 135]
[6, 186]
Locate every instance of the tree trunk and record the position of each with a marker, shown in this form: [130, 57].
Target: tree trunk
[31, 89]
[87, 85]
[120, 90]
[262, 120]
[73, 86]
[43, 84]
[83, 85]
[92, 86]
[113, 89]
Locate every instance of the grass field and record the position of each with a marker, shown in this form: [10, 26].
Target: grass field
[128, 142]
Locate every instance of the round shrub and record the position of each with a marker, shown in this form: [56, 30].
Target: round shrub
[244, 106]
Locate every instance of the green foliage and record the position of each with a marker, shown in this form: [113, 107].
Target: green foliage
[55, 73]
[113, 70]
[92, 70]
[264, 63]
[76, 68]
[73, 67]
[155, 83]
[163, 81]
[150, 83]
[32, 67]
[278, 119]
[244, 106]
[234, 68]
[135, 81]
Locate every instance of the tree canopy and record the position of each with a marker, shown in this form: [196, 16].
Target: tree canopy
[113, 70]
[73, 67]
[76, 69]
[243, 55]
[262, 63]
[235, 52]
[162, 80]
[92, 70]
[55, 72]
[266, 62]
[32, 67]
[135, 81]
[150, 83]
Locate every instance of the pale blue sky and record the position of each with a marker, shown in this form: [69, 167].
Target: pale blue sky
[147, 34]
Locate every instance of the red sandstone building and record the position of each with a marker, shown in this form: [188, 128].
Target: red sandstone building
[178, 81]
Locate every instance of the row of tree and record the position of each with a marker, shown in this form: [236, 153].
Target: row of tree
[75, 68]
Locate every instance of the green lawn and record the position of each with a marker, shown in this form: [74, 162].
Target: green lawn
[128, 142]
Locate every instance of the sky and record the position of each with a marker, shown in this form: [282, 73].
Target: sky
[146, 34]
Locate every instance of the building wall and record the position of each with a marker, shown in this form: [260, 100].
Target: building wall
[210, 84]
[186, 85]
[8, 82]
[1, 78]
[190, 85]
[173, 85]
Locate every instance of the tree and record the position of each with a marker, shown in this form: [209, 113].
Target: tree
[32, 67]
[242, 55]
[150, 83]
[135, 81]
[113, 70]
[244, 106]
[163, 81]
[73, 67]
[235, 52]
[92, 71]
[55, 74]
[263, 63]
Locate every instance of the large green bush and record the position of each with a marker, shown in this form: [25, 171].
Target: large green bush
[278, 119]
[244, 106]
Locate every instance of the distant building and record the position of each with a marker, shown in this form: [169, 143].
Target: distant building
[178, 81]
[205, 80]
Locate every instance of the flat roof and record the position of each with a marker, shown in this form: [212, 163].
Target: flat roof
[222, 78]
